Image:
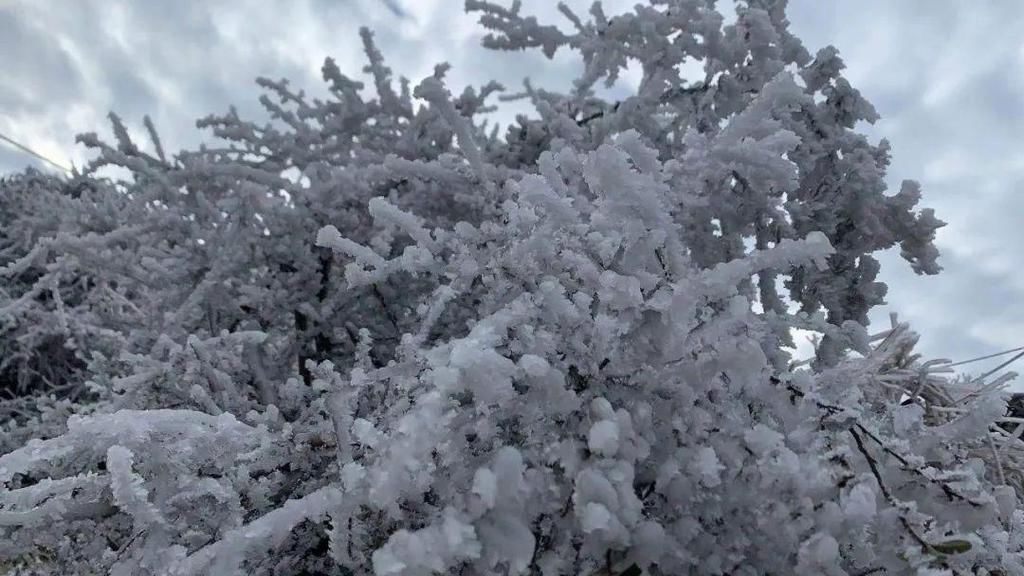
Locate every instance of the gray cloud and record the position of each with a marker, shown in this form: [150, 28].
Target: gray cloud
[179, 61]
[946, 78]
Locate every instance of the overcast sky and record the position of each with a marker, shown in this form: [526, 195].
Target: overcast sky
[947, 77]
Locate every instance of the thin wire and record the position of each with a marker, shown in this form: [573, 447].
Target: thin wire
[1010, 351]
[28, 150]
[998, 368]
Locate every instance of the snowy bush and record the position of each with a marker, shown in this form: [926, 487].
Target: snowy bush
[373, 337]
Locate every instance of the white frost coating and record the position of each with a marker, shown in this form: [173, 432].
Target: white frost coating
[538, 350]
[370, 267]
[485, 485]
[129, 490]
[534, 365]
[329, 237]
[595, 517]
[386, 212]
[432, 549]
[603, 438]
[707, 467]
[819, 555]
[224, 555]
[366, 433]
[860, 505]
[433, 91]
[762, 439]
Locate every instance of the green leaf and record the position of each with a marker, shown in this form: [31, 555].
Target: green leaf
[952, 546]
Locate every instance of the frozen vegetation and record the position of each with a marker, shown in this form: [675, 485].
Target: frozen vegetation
[375, 336]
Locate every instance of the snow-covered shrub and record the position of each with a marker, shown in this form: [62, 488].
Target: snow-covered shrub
[373, 337]
[48, 309]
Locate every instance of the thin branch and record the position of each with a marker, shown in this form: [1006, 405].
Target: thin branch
[873, 465]
[907, 466]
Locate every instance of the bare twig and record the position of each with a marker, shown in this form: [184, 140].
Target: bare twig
[873, 465]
